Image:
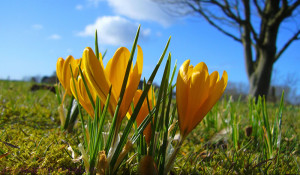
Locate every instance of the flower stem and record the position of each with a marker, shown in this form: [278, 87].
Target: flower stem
[171, 161]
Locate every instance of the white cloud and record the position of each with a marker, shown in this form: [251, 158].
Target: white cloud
[159, 34]
[54, 37]
[146, 32]
[37, 26]
[79, 7]
[141, 10]
[69, 51]
[113, 30]
[94, 2]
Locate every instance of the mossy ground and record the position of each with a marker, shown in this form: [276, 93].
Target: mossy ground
[31, 140]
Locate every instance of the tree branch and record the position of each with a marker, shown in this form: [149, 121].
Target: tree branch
[227, 11]
[292, 7]
[284, 12]
[259, 10]
[287, 44]
[246, 38]
[212, 23]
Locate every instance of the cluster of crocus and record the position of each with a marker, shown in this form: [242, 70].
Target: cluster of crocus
[64, 73]
[100, 79]
[89, 82]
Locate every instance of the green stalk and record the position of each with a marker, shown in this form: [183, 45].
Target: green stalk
[57, 94]
[80, 113]
[136, 110]
[86, 88]
[156, 123]
[143, 125]
[66, 124]
[73, 118]
[165, 141]
[96, 45]
[113, 132]
[163, 122]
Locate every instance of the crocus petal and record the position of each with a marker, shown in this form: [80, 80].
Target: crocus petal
[214, 96]
[182, 87]
[132, 84]
[81, 95]
[67, 72]
[214, 78]
[219, 88]
[201, 67]
[64, 72]
[198, 93]
[117, 68]
[59, 68]
[144, 111]
[95, 73]
[139, 61]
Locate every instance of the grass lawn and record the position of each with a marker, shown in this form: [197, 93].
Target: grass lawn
[232, 139]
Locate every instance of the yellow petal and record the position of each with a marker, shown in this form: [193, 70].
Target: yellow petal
[144, 111]
[182, 89]
[198, 93]
[95, 73]
[219, 88]
[132, 85]
[214, 78]
[139, 61]
[116, 69]
[59, 69]
[201, 66]
[151, 97]
[214, 96]
[67, 73]
[81, 94]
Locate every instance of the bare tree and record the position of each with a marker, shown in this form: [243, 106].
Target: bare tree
[253, 23]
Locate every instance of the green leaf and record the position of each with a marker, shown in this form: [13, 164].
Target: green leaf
[86, 88]
[143, 125]
[136, 110]
[114, 129]
[103, 56]
[79, 109]
[58, 93]
[96, 45]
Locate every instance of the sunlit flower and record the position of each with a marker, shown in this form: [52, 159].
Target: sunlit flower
[101, 79]
[196, 93]
[95, 74]
[81, 95]
[144, 111]
[116, 68]
[64, 73]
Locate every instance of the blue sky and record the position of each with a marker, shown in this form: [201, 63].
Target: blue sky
[35, 33]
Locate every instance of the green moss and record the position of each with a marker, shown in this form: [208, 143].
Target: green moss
[30, 134]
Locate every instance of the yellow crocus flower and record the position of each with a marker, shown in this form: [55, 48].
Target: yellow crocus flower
[81, 95]
[196, 93]
[64, 73]
[101, 79]
[95, 74]
[144, 111]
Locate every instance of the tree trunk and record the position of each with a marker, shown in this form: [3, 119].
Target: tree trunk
[260, 79]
